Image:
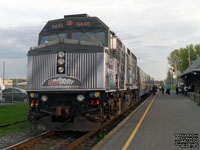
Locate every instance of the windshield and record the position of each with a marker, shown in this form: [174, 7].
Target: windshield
[95, 37]
[45, 39]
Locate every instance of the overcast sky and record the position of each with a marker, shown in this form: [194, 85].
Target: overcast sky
[151, 29]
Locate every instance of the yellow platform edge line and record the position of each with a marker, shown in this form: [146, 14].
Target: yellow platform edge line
[138, 125]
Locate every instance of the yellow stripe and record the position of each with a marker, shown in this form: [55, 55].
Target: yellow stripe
[138, 126]
[143, 86]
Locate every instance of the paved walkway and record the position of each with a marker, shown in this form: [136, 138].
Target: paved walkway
[168, 115]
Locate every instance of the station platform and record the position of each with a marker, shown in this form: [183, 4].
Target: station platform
[161, 122]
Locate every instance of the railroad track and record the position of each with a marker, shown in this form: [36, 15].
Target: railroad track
[75, 144]
[30, 141]
[13, 123]
[69, 144]
[65, 142]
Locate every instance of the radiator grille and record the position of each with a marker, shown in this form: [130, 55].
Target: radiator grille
[82, 66]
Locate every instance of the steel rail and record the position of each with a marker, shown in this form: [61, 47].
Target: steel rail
[9, 124]
[30, 141]
[79, 141]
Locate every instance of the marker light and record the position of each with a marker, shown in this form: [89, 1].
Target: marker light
[32, 103]
[36, 95]
[61, 54]
[37, 103]
[97, 102]
[97, 94]
[60, 69]
[32, 95]
[91, 94]
[92, 102]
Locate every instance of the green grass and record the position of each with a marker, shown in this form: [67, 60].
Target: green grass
[14, 128]
[173, 87]
[12, 113]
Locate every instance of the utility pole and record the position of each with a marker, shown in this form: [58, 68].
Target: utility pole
[189, 56]
[176, 71]
[3, 71]
[172, 78]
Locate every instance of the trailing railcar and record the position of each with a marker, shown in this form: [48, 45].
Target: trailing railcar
[145, 83]
[79, 75]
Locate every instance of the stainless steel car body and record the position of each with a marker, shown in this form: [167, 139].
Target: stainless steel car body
[91, 64]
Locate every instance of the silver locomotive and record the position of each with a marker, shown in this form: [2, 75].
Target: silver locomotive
[80, 75]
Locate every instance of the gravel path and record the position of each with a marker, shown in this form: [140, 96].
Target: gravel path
[11, 139]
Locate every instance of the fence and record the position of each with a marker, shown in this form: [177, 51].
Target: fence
[194, 96]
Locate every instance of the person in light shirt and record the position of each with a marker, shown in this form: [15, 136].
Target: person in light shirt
[185, 90]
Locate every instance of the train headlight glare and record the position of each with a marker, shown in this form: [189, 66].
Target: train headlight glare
[97, 94]
[61, 54]
[44, 98]
[60, 69]
[80, 98]
[32, 95]
[61, 61]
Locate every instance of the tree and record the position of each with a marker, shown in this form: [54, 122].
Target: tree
[15, 81]
[169, 79]
[179, 60]
[174, 59]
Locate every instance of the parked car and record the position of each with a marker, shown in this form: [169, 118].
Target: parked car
[14, 94]
[2, 87]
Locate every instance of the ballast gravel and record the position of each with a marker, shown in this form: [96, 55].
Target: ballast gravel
[14, 138]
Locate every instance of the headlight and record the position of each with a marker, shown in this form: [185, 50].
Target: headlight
[61, 61]
[80, 98]
[97, 94]
[32, 95]
[61, 54]
[60, 69]
[44, 98]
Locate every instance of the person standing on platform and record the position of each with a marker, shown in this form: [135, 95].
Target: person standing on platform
[154, 90]
[185, 90]
[162, 89]
[177, 89]
[168, 89]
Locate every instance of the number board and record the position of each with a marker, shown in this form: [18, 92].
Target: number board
[57, 26]
[70, 23]
[83, 24]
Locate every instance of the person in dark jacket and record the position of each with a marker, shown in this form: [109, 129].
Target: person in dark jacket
[162, 89]
[177, 89]
[168, 89]
[154, 90]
